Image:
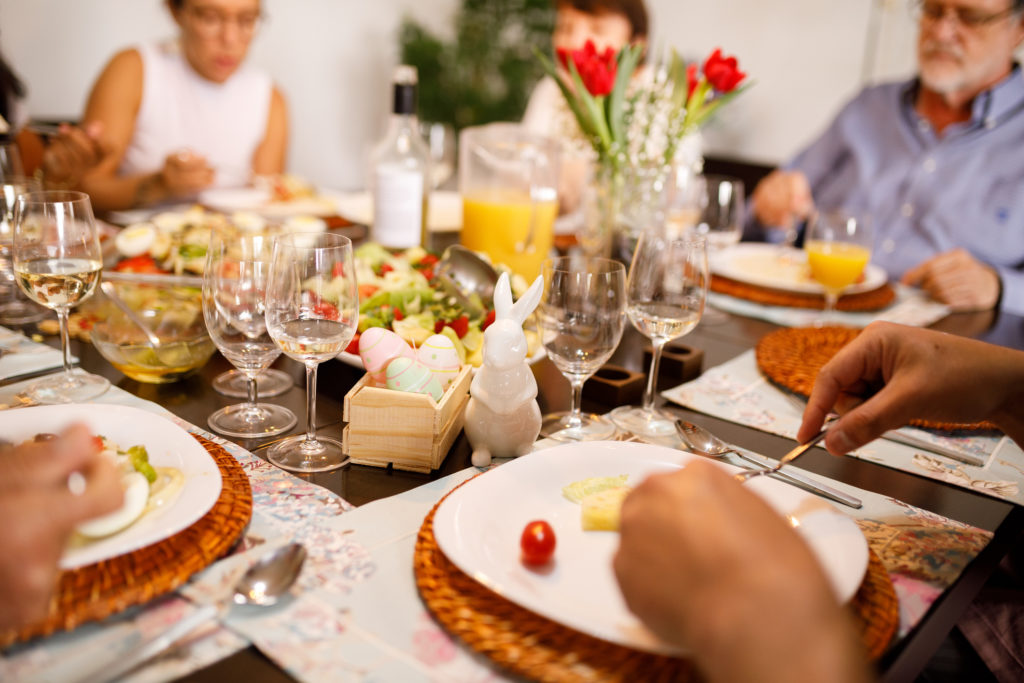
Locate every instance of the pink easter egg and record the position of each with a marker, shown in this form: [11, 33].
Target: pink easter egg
[378, 347]
[438, 353]
[406, 374]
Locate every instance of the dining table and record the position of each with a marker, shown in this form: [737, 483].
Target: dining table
[193, 399]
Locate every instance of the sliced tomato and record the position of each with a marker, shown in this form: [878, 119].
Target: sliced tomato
[460, 325]
[367, 290]
[385, 268]
[537, 543]
[398, 314]
[98, 442]
[353, 346]
[142, 263]
[338, 270]
[326, 310]
[427, 261]
[488, 319]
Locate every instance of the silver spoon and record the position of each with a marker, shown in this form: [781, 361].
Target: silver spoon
[461, 273]
[702, 442]
[263, 583]
[111, 293]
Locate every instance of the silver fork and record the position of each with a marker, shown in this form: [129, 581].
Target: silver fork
[787, 458]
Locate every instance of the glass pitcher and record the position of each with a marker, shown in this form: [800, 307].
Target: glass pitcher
[508, 179]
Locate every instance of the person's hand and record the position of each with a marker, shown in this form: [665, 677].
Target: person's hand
[783, 198]
[40, 511]
[707, 565]
[185, 173]
[72, 153]
[957, 279]
[890, 374]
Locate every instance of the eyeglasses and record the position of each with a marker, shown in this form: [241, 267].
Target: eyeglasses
[210, 22]
[968, 18]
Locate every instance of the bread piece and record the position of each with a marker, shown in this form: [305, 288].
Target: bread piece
[601, 509]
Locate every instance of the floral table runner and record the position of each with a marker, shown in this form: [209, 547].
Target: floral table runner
[19, 355]
[738, 392]
[355, 613]
[912, 307]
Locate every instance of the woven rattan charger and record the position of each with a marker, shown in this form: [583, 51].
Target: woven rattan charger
[792, 358]
[99, 590]
[530, 645]
[873, 300]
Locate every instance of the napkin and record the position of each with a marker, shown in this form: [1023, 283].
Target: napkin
[19, 355]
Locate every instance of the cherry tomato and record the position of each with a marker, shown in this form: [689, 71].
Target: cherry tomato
[487, 320]
[143, 263]
[460, 325]
[338, 270]
[325, 309]
[537, 543]
[353, 346]
[427, 261]
[97, 441]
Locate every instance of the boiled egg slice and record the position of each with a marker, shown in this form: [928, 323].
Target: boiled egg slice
[136, 495]
[136, 239]
[248, 221]
[305, 224]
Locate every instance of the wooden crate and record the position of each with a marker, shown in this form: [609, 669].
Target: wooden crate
[408, 431]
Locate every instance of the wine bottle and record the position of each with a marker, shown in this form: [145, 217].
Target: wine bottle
[400, 169]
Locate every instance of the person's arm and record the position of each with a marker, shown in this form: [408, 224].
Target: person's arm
[709, 566]
[961, 281]
[891, 374]
[114, 103]
[270, 156]
[40, 512]
[71, 154]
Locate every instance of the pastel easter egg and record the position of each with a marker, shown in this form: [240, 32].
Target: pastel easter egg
[378, 347]
[438, 353]
[406, 374]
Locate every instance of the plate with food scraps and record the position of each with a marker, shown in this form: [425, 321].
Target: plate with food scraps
[783, 268]
[187, 482]
[262, 201]
[478, 527]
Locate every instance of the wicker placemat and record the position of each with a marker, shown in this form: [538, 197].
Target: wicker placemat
[792, 357]
[530, 645]
[98, 590]
[874, 300]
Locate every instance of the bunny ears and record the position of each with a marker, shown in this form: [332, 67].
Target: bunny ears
[520, 310]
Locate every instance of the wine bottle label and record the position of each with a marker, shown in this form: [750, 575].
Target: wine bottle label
[398, 206]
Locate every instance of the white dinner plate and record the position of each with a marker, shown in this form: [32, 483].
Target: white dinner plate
[779, 267]
[444, 210]
[259, 200]
[479, 525]
[168, 445]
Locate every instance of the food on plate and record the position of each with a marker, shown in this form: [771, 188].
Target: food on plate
[601, 510]
[578, 490]
[537, 543]
[170, 242]
[146, 488]
[399, 291]
[286, 187]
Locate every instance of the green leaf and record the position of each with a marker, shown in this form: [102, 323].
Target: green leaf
[629, 56]
[680, 82]
[595, 110]
[582, 117]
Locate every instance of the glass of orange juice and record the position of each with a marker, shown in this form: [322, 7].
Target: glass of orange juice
[508, 179]
[838, 247]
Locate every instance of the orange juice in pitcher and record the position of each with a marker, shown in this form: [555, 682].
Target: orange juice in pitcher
[510, 228]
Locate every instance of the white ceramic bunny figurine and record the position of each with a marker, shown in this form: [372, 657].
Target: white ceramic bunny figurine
[502, 416]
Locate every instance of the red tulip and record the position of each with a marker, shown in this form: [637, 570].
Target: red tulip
[597, 69]
[722, 72]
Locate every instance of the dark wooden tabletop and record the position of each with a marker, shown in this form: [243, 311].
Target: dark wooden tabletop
[193, 399]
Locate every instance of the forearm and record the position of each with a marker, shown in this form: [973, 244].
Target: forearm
[115, 193]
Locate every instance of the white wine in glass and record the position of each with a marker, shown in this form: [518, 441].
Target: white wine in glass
[668, 285]
[57, 263]
[312, 311]
[838, 247]
[234, 288]
[581, 316]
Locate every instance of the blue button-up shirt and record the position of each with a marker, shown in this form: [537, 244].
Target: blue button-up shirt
[928, 194]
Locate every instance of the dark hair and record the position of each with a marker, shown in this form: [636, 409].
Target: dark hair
[634, 10]
[11, 89]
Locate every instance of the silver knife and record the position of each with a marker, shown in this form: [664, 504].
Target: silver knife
[799, 480]
[958, 455]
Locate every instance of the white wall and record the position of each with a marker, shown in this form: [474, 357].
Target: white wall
[332, 59]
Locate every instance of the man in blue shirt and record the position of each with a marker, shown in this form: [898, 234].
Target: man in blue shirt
[937, 162]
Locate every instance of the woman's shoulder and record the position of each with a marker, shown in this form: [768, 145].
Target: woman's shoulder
[125, 64]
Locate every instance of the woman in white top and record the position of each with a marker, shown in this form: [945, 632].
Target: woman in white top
[181, 117]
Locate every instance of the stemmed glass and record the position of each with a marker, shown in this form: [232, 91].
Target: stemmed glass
[269, 382]
[234, 287]
[15, 309]
[668, 284]
[581, 317]
[720, 222]
[838, 247]
[312, 313]
[57, 262]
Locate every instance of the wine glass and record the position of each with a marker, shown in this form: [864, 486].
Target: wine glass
[720, 223]
[581, 317]
[312, 312]
[440, 141]
[668, 284]
[10, 160]
[838, 247]
[234, 285]
[57, 263]
[15, 309]
[269, 382]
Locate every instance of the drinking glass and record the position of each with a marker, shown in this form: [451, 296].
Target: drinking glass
[838, 247]
[312, 312]
[234, 287]
[440, 140]
[581, 317]
[269, 382]
[57, 263]
[720, 222]
[15, 309]
[10, 160]
[668, 284]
